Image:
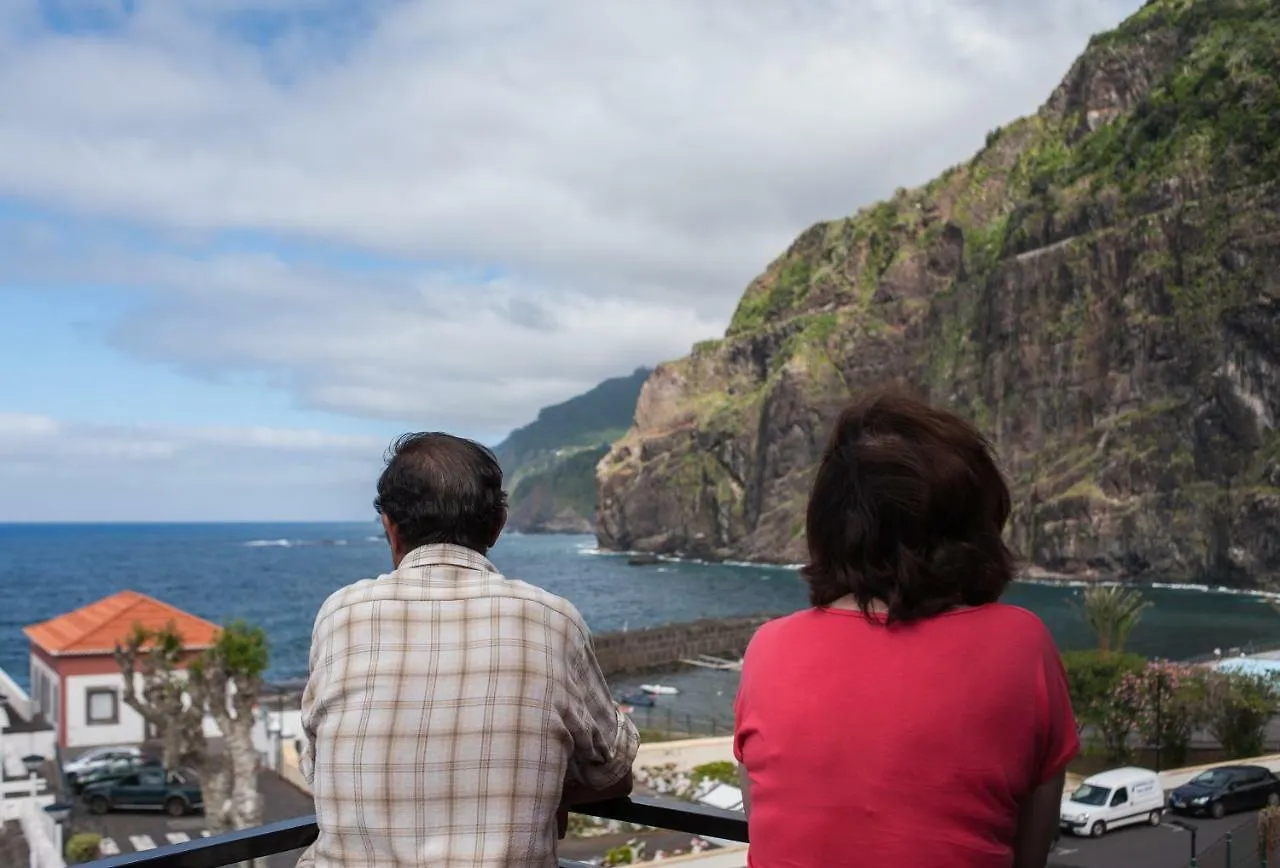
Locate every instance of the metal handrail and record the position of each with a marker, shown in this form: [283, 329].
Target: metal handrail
[286, 835]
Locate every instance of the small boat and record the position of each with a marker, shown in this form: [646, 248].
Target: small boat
[643, 700]
[659, 690]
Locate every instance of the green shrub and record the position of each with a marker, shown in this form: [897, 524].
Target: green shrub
[84, 847]
[627, 854]
[723, 771]
[1238, 706]
[1093, 679]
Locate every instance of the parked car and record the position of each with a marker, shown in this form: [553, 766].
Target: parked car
[1120, 797]
[175, 793]
[97, 758]
[1224, 789]
[110, 771]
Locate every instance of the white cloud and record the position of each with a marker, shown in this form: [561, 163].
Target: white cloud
[65, 471]
[626, 166]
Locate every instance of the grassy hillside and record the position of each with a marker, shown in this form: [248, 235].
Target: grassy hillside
[550, 463]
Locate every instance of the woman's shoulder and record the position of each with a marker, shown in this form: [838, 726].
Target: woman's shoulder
[1015, 622]
[1012, 622]
[784, 627]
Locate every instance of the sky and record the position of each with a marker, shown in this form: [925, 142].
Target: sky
[243, 245]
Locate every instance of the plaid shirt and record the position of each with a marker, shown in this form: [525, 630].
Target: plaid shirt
[444, 709]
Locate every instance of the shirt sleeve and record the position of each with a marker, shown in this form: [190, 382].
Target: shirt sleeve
[739, 731]
[605, 740]
[1059, 736]
[307, 759]
[742, 726]
[310, 702]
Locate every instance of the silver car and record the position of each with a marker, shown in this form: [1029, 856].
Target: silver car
[97, 758]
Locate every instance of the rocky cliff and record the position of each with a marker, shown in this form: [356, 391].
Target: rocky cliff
[1098, 288]
[550, 463]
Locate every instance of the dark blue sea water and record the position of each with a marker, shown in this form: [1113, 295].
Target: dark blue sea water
[277, 575]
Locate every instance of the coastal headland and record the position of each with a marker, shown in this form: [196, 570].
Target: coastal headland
[1095, 288]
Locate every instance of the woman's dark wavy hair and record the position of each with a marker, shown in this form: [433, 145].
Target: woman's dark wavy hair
[908, 508]
[438, 488]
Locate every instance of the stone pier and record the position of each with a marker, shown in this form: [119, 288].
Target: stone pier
[647, 648]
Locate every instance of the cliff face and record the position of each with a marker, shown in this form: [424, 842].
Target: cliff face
[549, 464]
[560, 497]
[1098, 289]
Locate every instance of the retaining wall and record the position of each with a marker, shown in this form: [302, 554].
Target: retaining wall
[646, 648]
[686, 754]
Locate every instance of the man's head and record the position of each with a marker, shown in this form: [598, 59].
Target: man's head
[438, 488]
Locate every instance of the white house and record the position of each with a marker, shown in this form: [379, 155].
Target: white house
[75, 680]
[22, 733]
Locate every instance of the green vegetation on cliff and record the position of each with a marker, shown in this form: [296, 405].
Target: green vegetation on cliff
[549, 464]
[1098, 288]
[561, 497]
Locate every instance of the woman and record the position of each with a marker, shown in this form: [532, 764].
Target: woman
[907, 720]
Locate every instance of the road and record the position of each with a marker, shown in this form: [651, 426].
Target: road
[1164, 846]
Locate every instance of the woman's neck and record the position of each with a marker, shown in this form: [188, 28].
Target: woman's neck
[848, 602]
[877, 607]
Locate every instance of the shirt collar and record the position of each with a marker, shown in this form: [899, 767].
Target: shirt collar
[446, 554]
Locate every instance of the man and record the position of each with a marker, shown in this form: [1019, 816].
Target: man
[452, 715]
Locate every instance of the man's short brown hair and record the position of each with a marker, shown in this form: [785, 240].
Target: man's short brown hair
[908, 508]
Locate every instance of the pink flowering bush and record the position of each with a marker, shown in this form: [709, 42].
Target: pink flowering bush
[1167, 700]
[1118, 718]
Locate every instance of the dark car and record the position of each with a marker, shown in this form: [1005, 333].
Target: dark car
[175, 793]
[1224, 789]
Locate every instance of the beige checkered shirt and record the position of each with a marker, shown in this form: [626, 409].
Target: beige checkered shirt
[444, 706]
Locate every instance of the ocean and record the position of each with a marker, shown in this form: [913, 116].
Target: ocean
[277, 575]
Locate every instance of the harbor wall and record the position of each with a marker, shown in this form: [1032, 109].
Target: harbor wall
[647, 648]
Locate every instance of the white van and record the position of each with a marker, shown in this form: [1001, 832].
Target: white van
[1120, 797]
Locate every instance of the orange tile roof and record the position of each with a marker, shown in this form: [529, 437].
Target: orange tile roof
[97, 627]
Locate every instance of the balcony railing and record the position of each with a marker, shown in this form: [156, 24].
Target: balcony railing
[263, 841]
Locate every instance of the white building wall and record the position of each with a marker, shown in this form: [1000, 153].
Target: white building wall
[14, 793]
[130, 728]
[17, 697]
[15, 745]
[290, 722]
[44, 689]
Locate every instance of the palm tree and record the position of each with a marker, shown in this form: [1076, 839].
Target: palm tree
[1112, 612]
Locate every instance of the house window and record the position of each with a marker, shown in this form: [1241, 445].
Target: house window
[102, 706]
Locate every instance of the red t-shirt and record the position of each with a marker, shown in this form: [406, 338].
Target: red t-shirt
[898, 747]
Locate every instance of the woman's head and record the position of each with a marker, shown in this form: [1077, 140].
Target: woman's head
[908, 509]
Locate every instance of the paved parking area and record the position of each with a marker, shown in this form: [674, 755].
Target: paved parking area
[1163, 846]
[137, 831]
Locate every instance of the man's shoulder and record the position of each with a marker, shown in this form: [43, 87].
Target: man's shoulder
[347, 595]
[543, 600]
[519, 592]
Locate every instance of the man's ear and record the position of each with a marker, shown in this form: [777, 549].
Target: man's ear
[502, 523]
[393, 539]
